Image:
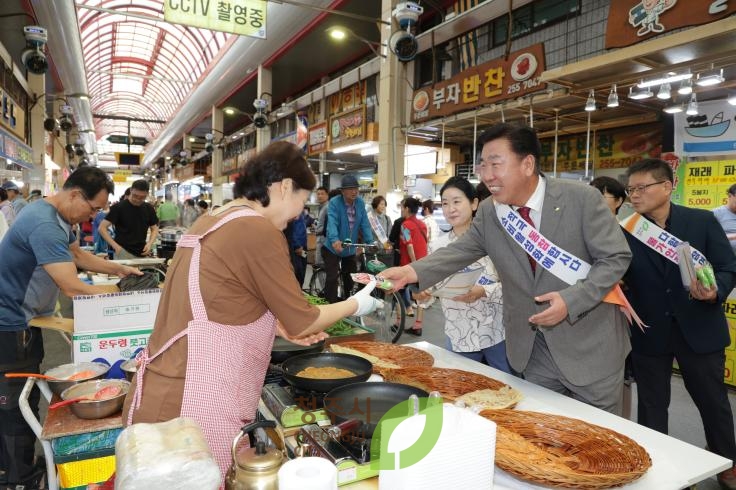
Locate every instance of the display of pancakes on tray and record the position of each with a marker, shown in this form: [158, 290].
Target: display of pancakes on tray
[385, 356]
[563, 452]
[456, 384]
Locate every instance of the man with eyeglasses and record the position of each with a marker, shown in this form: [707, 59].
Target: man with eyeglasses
[132, 218]
[689, 326]
[560, 334]
[39, 256]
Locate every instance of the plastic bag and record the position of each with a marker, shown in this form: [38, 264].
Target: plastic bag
[171, 454]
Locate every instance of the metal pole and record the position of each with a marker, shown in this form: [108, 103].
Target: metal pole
[475, 146]
[587, 147]
[557, 128]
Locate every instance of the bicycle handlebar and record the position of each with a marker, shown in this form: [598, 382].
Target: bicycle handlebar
[348, 243]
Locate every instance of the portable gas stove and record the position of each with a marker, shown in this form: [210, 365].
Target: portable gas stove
[350, 454]
[292, 407]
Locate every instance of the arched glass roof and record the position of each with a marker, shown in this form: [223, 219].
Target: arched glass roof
[139, 66]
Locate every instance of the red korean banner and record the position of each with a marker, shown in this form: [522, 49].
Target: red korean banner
[488, 83]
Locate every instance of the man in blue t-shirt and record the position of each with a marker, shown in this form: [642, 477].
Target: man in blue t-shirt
[40, 256]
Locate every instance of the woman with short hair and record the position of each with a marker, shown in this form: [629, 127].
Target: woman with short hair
[229, 289]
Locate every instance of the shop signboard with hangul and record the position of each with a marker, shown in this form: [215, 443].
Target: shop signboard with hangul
[347, 128]
[111, 346]
[116, 311]
[317, 138]
[487, 83]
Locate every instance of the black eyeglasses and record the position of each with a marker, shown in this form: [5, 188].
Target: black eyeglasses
[89, 203]
[641, 188]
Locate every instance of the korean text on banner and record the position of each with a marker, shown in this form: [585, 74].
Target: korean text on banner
[244, 17]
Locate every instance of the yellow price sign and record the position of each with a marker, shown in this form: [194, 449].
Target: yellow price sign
[243, 17]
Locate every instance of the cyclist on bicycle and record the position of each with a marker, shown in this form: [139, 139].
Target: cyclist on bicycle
[346, 217]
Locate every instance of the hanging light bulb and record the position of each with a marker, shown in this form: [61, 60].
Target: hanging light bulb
[686, 87]
[692, 106]
[673, 109]
[590, 104]
[613, 97]
[636, 93]
[665, 91]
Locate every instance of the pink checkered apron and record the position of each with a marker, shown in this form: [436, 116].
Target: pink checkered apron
[226, 364]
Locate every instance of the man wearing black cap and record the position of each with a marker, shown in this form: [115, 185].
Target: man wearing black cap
[346, 218]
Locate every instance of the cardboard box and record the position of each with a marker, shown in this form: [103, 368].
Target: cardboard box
[116, 311]
[109, 345]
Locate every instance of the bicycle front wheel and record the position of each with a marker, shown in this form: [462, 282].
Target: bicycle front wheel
[317, 282]
[388, 322]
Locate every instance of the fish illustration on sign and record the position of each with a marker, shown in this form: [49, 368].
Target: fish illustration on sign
[699, 126]
[645, 15]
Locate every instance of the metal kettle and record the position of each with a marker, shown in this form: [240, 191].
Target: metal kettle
[257, 467]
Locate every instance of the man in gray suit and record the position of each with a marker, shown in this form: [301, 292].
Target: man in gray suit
[558, 335]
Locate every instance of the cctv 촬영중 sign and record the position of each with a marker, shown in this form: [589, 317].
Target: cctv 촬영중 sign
[487, 83]
[243, 17]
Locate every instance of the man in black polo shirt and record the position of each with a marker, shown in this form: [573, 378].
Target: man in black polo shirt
[132, 218]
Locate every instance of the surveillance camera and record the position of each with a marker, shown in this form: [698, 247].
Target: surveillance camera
[50, 124]
[65, 123]
[209, 148]
[79, 151]
[69, 150]
[33, 57]
[260, 105]
[407, 13]
[404, 45]
[35, 61]
[260, 120]
[83, 162]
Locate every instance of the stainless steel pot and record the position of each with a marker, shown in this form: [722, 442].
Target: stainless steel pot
[96, 409]
[129, 367]
[66, 370]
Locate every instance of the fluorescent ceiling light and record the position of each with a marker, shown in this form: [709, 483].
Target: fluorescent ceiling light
[639, 94]
[673, 109]
[710, 78]
[350, 148]
[669, 78]
[732, 99]
[371, 150]
[665, 91]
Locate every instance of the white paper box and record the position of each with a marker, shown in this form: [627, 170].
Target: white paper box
[109, 345]
[116, 311]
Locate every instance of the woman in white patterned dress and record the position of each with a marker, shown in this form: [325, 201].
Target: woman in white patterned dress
[473, 321]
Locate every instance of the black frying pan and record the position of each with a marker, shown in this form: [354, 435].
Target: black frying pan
[283, 349]
[367, 402]
[361, 367]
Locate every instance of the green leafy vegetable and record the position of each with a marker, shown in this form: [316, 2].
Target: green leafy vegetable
[340, 327]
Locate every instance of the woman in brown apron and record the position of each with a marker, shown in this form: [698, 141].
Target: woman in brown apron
[229, 290]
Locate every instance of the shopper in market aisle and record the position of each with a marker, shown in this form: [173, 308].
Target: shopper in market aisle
[346, 219]
[319, 226]
[6, 207]
[168, 213]
[413, 246]
[135, 222]
[229, 289]
[560, 336]
[40, 256]
[433, 229]
[726, 216]
[14, 195]
[688, 326]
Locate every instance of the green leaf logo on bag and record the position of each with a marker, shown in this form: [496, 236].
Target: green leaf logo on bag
[387, 452]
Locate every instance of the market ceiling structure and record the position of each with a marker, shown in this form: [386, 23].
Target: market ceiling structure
[137, 67]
